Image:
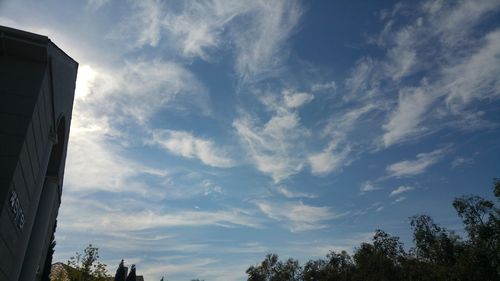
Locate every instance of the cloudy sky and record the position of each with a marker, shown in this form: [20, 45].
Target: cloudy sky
[206, 134]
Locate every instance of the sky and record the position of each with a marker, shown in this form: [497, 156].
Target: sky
[206, 134]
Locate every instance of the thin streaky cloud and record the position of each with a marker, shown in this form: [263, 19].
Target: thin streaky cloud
[291, 194]
[409, 168]
[399, 190]
[297, 216]
[186, 145]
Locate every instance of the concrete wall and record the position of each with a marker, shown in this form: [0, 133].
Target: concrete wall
[37, 83]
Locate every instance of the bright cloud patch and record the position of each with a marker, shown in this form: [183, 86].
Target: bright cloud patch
[272, 146]
[297, 216]
[291, 194]
[368, 187]
[405, 121]
[409, 168]
[400, 190]
[186, 145]
[293, 100]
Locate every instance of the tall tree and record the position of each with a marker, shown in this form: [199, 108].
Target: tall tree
[272, 269]
[121, 272]
[132, 275]
[87, 267]
[481, 219]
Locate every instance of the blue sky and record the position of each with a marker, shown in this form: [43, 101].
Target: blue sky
[206, 134]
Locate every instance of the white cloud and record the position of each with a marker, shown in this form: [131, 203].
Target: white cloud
[143, 25]
[291, 194]
[405, 121]
[258, 30]
[261, 44]
[147, 86]
[433, 87]
[324, 86]
[402, 57]
[211, 188]
[329, 160]
[94, 150]
[294, 100]
[275, 147]
[111, 217]
[461, 161]
[339, 152]
[139, 89]
[186, 145]
[400, 189]
[103, 102]
[200, 25]
[84, 82]
[363, 81]
[476, 77]
[399, 199]
[368, 187]
[408, 168]
[96, 4]
[296, 215]
[455, 22]
[461, 81]
[339, 126]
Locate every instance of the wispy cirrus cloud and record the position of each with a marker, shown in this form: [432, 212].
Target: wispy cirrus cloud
[292, 194]
[108, 217]
[275, 146]
[297, 216]
[332, 158]
[327, 86]
[462, 161]
[399, 190]
[186, 145]
[138, 89]
[399, 199]
[105, 102]
[261, 48]
[404, 123]
[142, 26]
[368, 187]
[257, 30]
[432, 87]
[408, 168]
[96, 4]
[338, 152]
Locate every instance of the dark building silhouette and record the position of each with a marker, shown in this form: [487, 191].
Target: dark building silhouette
[37, 83]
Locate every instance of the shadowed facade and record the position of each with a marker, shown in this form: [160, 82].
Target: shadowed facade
[37, 83]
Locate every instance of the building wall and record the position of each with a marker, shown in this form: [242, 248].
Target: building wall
[37, 83]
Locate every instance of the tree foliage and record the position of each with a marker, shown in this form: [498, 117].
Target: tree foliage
[87, 267]
[438, 254]
[121, 272]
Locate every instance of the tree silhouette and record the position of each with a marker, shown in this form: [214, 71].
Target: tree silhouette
[121, 272]
[131, 276]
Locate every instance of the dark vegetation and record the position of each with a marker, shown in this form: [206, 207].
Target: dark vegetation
[438, 254]
[82, 267]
